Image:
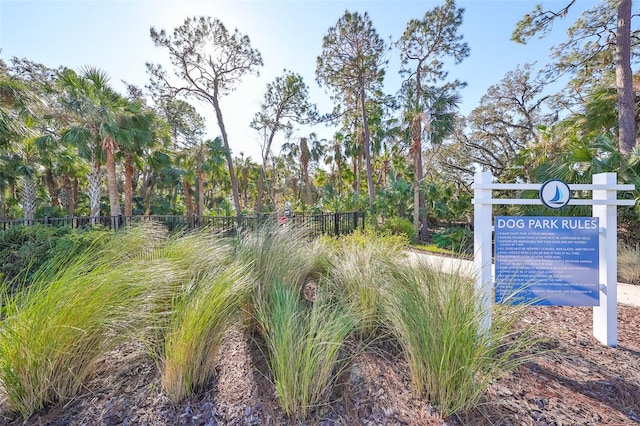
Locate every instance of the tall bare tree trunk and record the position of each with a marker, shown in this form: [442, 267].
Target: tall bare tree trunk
[188, 200]
[367, 146]
[261, 180]
[66, 195]
[95, 183]
[52, 187]
[624, 78]
[305, 157]
[416, 152]
[149, 188]
[110, 148]
[128, 184]
[200, 171]
[74, 196]
[29, 199]
[227, 153]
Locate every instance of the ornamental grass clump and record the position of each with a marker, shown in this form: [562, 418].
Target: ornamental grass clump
[303, 342]
[437, 318]
[275, 255]
[185, 258]
[629, 263]
[201, 317]
[360, 267]
[54, 330]
[302, 337]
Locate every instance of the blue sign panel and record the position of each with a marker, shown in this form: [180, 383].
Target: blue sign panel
[551, 261]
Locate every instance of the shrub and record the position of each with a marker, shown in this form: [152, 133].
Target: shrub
[456, 239]
[398, 226]
[25, 248]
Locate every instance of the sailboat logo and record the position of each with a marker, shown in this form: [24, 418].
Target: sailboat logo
[555, 193]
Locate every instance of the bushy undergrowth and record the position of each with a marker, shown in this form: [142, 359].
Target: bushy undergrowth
[179, 295]
[455, 239]
[23, 249]
[398, 226]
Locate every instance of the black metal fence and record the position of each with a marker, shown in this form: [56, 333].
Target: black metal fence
[316, 224]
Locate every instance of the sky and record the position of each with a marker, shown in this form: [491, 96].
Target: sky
[114, 36]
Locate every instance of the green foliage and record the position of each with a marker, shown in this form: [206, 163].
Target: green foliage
[446, 202]
[200, 319]
[394, 200]
[456, 239]
[360, 264]
[398, 226]
[180, 295]
[303, 339]
[25, 248]
[432, 248]
[304, 343]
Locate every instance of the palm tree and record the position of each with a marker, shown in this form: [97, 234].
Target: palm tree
[140, 123]
[28, 153]
[16, 103]
[98, 112]
[305, 152]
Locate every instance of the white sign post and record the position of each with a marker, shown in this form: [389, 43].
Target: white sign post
[604, 201]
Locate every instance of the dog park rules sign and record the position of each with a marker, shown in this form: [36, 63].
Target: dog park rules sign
[547, 260]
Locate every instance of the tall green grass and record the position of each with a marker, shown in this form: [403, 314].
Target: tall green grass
[303, 338]
[278, 253]
[184, 259]
[198, 325]
[303, 341]
[436, 318]
[275, 255]
[54, 330]
[361, 265]
[180, 295]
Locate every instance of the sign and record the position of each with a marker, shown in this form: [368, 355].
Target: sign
[555, 193]
[547, 260]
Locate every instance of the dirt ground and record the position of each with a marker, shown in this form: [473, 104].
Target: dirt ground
[578, 381]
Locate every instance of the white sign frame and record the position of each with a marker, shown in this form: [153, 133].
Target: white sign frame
[604, 201]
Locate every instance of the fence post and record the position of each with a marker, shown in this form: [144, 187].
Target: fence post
[482, 238]
[355, 221]
[605, 321]
[336, 224]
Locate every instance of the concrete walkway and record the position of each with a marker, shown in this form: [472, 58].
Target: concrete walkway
[628, 294]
